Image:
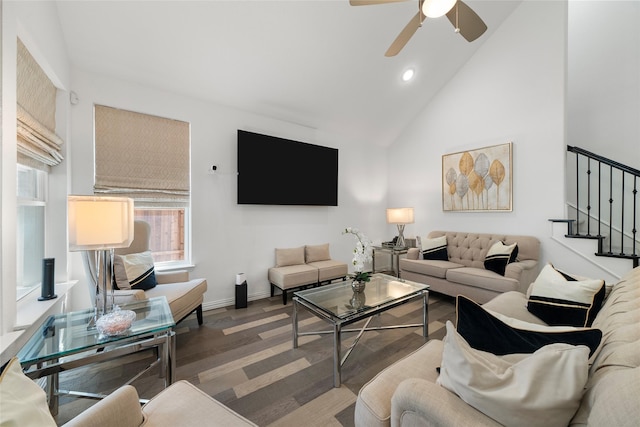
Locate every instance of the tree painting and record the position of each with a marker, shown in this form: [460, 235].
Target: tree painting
[478, 180]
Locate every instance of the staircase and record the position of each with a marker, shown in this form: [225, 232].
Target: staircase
[602, 204]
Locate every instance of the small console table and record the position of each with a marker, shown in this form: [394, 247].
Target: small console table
[394, 253]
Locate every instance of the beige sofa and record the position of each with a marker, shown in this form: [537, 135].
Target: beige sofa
[406, 393]
[464, 272]
[309, 265]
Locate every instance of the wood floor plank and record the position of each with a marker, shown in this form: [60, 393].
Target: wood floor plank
[210, 374]
[320, 411]
[255, 323]
[270, 377]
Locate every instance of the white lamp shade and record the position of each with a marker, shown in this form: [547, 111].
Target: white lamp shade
[400, 215]
[437, 8]
[97, 223]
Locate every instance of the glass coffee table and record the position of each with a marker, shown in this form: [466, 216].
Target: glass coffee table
[65, 341]
[340, 306]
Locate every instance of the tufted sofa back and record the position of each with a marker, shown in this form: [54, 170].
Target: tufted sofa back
[470, 249]
[611, 396]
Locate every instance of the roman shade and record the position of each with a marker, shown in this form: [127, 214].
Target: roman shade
[38, 145]
[141, 156]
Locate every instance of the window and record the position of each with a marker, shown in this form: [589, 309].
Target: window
[147, 158]
[30, 228]
[168, 233]
[38, 149]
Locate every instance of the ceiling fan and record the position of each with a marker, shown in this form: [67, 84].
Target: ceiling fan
[462, 17]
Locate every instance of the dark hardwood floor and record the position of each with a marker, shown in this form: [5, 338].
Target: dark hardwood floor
[245, 359]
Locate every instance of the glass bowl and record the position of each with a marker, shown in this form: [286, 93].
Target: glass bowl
[115, 323]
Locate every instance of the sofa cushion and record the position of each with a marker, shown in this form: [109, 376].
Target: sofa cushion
[330, 269]
[313, 253]
[434, 249]
[134, 271]
[22, 401]
[499, 255]
[182, 297]
[293, 276]
[499, 334]
[540, 389]
[481, 278]
[183, 404]
[289, 256]
[429, 267]
[559, 299]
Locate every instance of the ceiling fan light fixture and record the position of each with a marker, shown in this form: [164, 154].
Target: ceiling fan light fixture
[437, 8]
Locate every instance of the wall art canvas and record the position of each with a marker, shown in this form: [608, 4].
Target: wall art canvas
[478, 180]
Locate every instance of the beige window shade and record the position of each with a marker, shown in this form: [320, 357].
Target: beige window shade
[141, 156]
[38, 145]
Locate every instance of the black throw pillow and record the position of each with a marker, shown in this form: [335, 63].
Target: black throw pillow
[485, 332]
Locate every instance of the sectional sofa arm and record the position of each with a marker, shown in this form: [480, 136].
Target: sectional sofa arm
[119, 409]
[413, 253]
[418, 402]
[524, 272]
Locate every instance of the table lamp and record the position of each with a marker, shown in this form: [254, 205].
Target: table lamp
[100, 224]
[400, 216]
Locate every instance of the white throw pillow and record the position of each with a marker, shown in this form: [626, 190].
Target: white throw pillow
[22, 402]
[561, 299]
[134, 271]
[540, 389]
[434, 249]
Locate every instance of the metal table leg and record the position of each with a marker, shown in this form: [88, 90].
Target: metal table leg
[337, 362]
[295, 322]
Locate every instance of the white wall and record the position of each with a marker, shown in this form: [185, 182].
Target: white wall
[228, 238]
[604, 78]
[511, 90]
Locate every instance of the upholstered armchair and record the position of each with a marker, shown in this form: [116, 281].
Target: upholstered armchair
[183, 294]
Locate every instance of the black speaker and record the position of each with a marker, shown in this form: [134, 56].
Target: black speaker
[48, 275]
[241, 291]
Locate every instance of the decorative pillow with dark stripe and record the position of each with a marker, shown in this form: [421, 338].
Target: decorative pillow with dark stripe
[498, 334]
[560, 299]
[134, 271]
[435, 249]
[499, 255]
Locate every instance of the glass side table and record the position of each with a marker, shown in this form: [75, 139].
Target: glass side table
[393, 252]
[64, 341]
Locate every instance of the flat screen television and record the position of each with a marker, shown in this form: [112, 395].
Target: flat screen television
[278, 171]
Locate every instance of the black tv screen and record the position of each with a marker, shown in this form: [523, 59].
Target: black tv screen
[278, 171]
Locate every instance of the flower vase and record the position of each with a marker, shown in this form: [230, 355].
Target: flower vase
[358, 286]
[358, 300]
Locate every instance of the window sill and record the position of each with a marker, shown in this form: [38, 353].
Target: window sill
[174, 267]
[30, 314]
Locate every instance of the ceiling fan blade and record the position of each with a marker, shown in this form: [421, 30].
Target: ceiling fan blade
[370, 2]
[464, 19]
[404, 36]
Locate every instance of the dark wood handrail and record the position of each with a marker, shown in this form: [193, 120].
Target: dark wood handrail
[604, 160]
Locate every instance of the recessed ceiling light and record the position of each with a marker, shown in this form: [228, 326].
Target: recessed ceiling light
[408, 74]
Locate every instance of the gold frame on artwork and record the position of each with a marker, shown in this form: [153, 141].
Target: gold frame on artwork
[479, 180]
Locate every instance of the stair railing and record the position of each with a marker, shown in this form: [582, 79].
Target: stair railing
[622, 204]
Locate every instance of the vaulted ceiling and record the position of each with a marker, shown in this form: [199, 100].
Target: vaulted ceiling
[319, 64]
